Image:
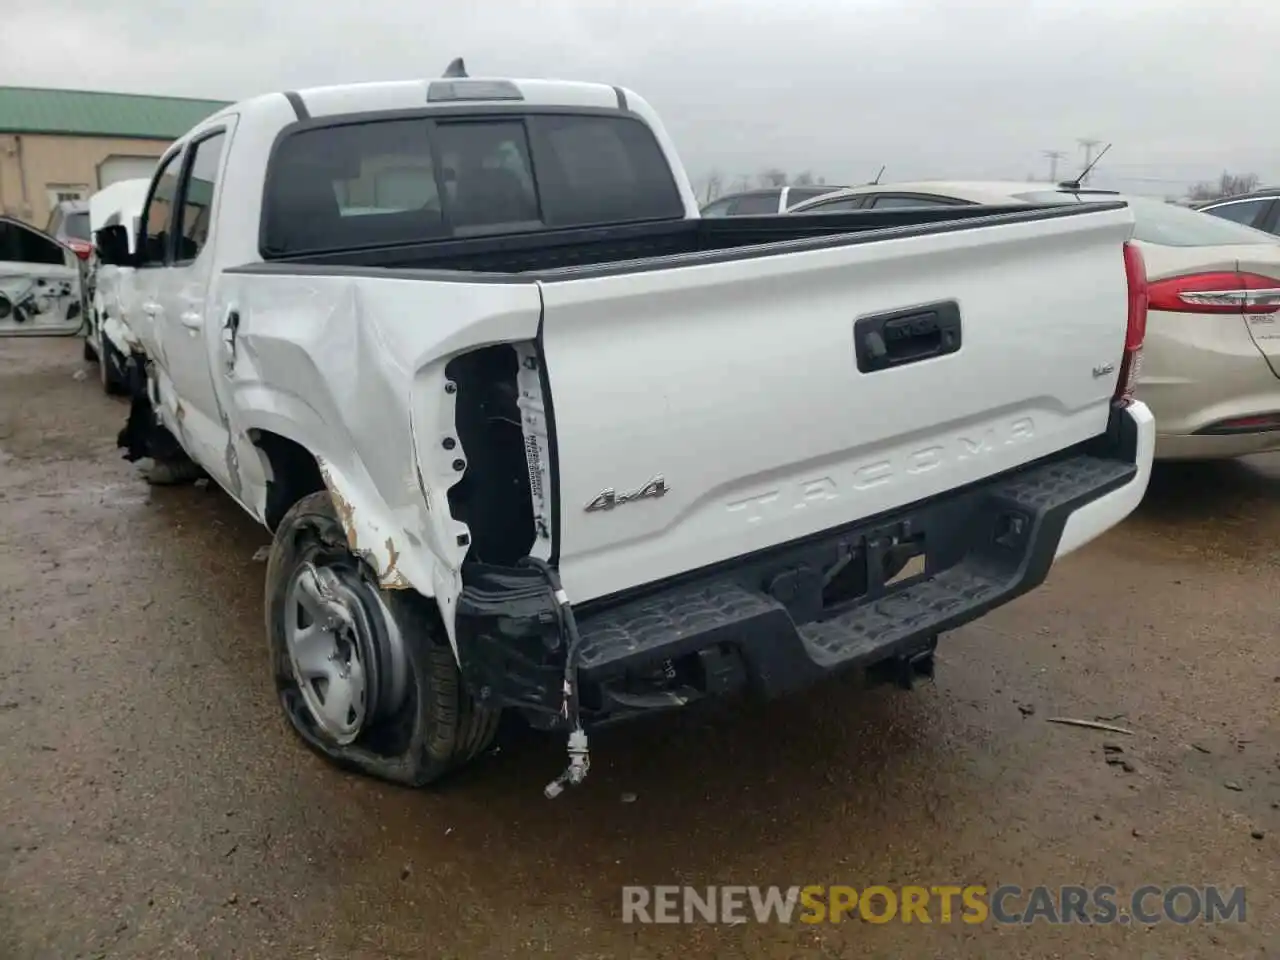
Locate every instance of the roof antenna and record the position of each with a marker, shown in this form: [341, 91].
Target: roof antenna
[456, 68]
[876, 181]
[1078, 181]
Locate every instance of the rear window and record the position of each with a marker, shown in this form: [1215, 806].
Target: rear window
[401, 181]
[1168, 224]
[76, 226]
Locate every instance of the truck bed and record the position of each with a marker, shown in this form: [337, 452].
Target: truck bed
[602, 251]
[727, 385]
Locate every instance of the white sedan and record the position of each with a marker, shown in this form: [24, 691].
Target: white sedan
[1211, 363]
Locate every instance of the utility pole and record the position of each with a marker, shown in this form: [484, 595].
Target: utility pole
[1088, 153]
[1054, 156]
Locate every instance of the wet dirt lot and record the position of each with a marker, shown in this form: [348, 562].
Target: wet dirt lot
[153, 803]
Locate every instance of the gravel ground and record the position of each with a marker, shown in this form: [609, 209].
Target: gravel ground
[153, 804]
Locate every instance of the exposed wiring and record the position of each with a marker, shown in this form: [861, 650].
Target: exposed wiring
[579, 755]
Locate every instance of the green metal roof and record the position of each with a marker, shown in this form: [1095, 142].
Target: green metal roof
[85, 113]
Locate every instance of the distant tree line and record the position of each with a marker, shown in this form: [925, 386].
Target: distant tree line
[1227, 185]
[718, 184]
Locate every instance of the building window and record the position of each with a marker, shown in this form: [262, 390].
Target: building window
[58, 192]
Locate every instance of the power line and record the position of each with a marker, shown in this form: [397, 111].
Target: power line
[1088, 153]
[1054, 156]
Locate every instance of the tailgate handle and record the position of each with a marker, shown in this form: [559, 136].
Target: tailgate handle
[886, 340]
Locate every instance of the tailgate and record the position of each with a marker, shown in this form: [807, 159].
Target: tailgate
[706, 411]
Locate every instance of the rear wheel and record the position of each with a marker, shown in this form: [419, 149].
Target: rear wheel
[364, 675]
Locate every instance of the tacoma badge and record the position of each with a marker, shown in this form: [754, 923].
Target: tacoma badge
[608, 499]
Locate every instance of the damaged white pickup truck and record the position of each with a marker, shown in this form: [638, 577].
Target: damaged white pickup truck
[531, 436]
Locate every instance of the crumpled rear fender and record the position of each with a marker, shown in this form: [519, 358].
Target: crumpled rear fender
[352, 368]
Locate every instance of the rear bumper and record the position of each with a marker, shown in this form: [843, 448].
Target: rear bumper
[1132, 438]
[779, 620]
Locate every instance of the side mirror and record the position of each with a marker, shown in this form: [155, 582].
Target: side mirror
[113, 246]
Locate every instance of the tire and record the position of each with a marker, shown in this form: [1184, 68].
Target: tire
[111, 370]
[435, 726]
[174, 472]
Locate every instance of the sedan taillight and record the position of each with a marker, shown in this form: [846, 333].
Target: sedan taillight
[80, 248]
[1218, 292]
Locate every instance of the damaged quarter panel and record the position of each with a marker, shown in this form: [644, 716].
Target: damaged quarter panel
[353, 370]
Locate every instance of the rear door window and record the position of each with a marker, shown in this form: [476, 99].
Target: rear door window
[718, 209]
[757, 204]
[800, 194]
[408, 180]
[196, 209]
[157, 216]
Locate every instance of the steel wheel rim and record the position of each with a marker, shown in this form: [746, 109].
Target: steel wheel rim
[326, 654]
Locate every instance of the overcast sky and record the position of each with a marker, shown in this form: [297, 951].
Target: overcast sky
[954, 88]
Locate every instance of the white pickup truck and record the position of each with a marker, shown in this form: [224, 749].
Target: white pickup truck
[532, 436]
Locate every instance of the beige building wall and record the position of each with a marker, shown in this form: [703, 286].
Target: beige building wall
[34, 166]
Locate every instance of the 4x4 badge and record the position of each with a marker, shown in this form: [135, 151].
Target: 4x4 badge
[608, 499]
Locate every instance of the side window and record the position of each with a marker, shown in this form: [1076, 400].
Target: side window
[757, 204]
[153, 241]
[718, 209]
[197, 197]
[1245, 212]
[20, 245]
[903, 202]
[835, 206]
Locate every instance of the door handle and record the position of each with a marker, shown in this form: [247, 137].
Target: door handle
[894, 339]
[191, 320]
